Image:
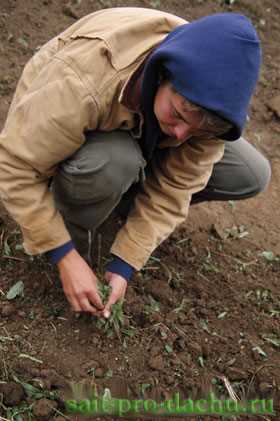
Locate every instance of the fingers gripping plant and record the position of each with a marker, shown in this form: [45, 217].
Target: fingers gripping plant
[116, 319]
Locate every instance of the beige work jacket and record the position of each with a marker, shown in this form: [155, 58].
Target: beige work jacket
[74, 83]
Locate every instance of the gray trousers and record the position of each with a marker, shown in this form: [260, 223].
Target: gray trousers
[108, 170]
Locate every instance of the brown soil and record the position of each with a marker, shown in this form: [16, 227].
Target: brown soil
[219, 299]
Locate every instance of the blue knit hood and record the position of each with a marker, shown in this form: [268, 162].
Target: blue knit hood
[214, 62]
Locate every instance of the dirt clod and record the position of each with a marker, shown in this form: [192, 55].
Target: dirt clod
[44, 408]
[265, 389]
[160, 291]
[53, 378]
[13, 393]
[7, 310]
[99, 372]
[156, 363]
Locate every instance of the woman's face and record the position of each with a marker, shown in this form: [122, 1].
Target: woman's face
[177, 117]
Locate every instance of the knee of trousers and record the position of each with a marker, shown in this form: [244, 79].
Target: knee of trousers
[249, 178]
[262, 175]
[106, 165]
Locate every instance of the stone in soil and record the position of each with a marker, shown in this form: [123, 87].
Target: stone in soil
[52, 377]
[12, 392]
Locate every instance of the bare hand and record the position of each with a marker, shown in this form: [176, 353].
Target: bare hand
[79, 283]
[118, 285]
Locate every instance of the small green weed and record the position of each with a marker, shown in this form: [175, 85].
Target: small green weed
[155, 3]
[116, 320]
[236, 232]
[35, 392]
[152, 307]
[269, 256]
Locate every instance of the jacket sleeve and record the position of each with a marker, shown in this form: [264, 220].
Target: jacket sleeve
[45, 126]
[163, 202]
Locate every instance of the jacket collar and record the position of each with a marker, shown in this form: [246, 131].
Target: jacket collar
[130, 95]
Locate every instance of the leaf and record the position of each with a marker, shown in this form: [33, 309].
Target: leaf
[273, 340]
[129, 331]
[203, 324]
[109, 373]
[222, 315]
[31, 391]
[269, 256]
[30, 358]
[107, 393]
[201, 361]
[15, 291]
[155, 3]
[168, 349]
[7, 248]
[181, 306]
[144, 387]
[260, 351]
[22, 42]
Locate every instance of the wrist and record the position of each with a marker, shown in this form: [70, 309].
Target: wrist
[120, 267]
[67, 258]
[55, 255]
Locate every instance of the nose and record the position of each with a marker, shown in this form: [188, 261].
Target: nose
[181, 131]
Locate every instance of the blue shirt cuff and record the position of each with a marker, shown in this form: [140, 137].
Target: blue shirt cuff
[56, 254]
[119, 266]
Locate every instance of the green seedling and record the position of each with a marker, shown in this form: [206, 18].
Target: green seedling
[269, 256]
[7, 251]
[222, 315]
[144, 387]
[152, 307]
[204, 326]
[155, 4]
[210, 267]
[168, 349]
[15, 413]
[15, 291]
[201, 361]
[236, 232]
[116, 320]
[182, 306]
[260, 296]
[274, 312]
[35, 392]
[260, 351]
[272, 339]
